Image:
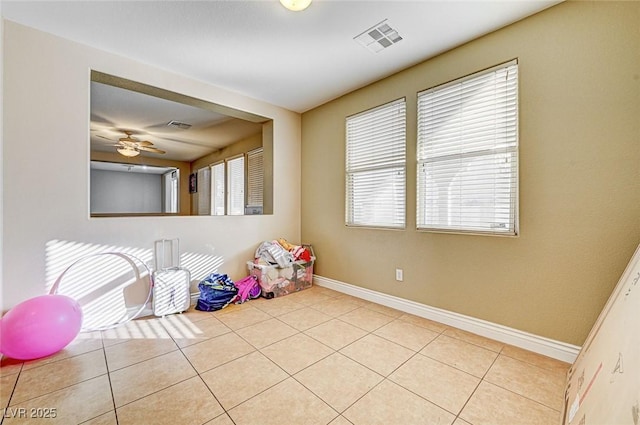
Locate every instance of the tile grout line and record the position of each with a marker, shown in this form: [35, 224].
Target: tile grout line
[178, 348]
[388, 378]
[512, 391]
[58, 389]
[198, 374]
[415, 353]
[528, 363]
[476, 388]
[288, 375]
[224, 410]
[54, 361]
[13, 390]
[113, 398]
[483, 379]
[522, 395]
[480, 379]
[334, 351]
[277, 314]
[142, 361]
[384, 378]
[184, 380]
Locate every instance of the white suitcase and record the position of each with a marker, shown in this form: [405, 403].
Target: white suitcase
[171, 292]
[171, 283]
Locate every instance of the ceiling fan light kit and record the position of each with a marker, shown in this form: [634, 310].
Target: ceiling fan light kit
[130, 146]
[296, 5]
[128, 152]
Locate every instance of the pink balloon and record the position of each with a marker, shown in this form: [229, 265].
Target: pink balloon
[39, 327]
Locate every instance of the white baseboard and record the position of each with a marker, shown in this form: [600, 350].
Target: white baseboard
[538, 344]
[146, 311]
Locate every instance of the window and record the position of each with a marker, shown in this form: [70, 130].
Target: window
[217, 189]
[235, 186]
[204, 192]
[228, 195]
[468, 154]
[376, 167]
[170, 191]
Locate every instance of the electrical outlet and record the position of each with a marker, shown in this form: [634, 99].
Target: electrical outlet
[399, 275]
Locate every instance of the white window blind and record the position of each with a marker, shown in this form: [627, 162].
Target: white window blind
[468, 154]
[376, 166]
[235, 186]
[204, 191]
[217, 189]
[255, 178]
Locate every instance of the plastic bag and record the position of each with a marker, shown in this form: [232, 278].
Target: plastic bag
[216, 292]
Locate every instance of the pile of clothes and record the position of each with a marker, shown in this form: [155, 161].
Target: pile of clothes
[282, 267]
[281, 253]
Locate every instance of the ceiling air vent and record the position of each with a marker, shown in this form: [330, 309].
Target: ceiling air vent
[178, 124]
[378, 37]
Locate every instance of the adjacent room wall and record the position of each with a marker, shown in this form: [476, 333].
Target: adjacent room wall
[46, 156]
[125, 192]
[579, 179]
[240, 147]
[184, 167]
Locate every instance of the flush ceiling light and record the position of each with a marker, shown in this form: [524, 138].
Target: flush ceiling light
[296, 5]
[129, 152]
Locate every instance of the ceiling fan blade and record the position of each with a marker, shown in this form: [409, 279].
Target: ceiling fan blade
[144, 143]
[151, 149]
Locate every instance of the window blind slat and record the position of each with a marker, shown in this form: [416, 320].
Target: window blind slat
[217, 189]
[204, 193]
[376, 166]
[255, 178]
[235, 186]
[467, 154]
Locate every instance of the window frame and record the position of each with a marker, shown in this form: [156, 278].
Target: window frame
[512, 152]
[378, 166]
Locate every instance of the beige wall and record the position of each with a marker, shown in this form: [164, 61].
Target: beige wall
[46, 156]
[240, 147]
[579, 179]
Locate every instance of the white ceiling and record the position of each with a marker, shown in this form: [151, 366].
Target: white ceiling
[115, 110]
[297, 60]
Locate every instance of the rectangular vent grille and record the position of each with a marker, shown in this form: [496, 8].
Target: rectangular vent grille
[178, 124]
[378, 37]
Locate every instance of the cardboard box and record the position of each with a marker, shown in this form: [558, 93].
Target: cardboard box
[603, 385]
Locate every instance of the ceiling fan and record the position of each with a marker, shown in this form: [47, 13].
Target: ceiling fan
[130, 146]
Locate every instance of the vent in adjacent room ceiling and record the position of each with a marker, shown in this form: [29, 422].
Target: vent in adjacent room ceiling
[378, 37]
[178, 124]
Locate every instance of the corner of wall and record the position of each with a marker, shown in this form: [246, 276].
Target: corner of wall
[1, 150]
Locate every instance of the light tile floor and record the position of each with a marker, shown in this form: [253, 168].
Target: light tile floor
[314, 357]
